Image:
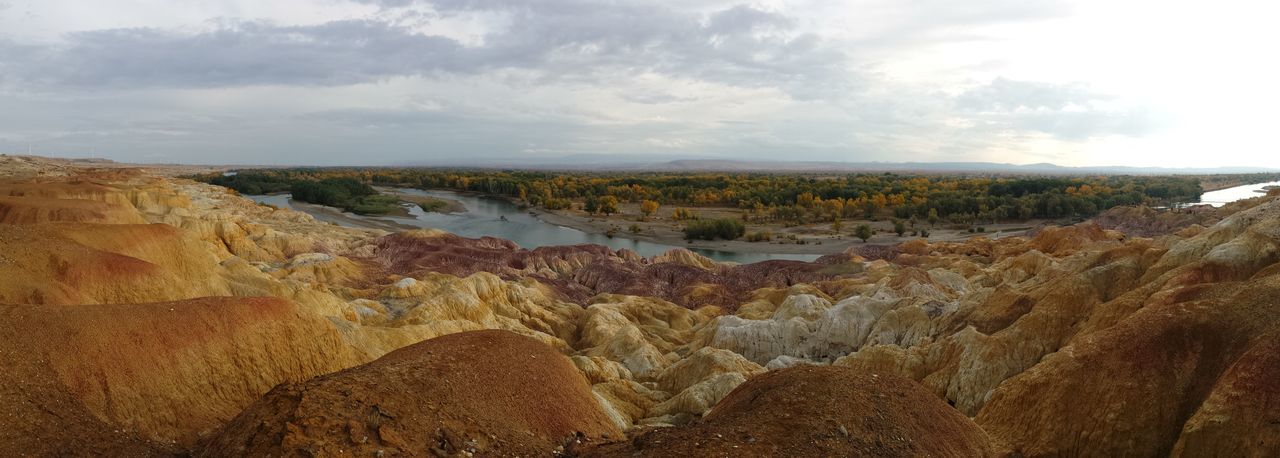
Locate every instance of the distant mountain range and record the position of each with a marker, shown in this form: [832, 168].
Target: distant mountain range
[633, 163]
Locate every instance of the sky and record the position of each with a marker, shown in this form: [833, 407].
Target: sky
[1167, 83]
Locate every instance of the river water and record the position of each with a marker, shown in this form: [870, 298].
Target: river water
[494, 217]
[1225, 196]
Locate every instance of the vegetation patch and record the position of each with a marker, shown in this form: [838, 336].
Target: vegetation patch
[711, 229]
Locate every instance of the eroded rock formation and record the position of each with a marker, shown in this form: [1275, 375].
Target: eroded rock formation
[141, 313]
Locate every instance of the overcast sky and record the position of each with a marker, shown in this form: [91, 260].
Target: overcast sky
[1087, 82]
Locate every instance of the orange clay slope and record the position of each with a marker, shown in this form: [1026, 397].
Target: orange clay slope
[493, 393]
[164, 372]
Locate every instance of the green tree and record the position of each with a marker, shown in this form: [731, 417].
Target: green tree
[711, 229]
[933, 217]
[899, 227]
[592, 205]
[863, 232]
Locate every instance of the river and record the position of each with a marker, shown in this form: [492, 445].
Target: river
[1225, 196]
[495, 217]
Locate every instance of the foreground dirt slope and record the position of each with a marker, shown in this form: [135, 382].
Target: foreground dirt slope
[166, 372]
[494, 393]
[818, 411]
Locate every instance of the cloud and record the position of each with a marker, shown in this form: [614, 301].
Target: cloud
[243, 53]
[408, 79]
[1067, 111]
[558, 40]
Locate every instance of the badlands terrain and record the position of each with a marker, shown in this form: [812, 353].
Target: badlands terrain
[146, 315]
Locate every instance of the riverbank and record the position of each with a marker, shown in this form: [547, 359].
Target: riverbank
[816, 240]
[533, 227]
[332, 214]
[674, 238]
[428, 204]
[813, 239]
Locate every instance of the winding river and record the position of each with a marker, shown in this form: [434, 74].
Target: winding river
[1225, 196]
[494, 217]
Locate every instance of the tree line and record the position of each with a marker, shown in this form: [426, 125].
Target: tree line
[345, 192]
[786, 198]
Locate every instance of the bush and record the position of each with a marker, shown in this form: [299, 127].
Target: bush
[863, 232]
[682, 214]
[712, 229]
[635, 228]
[557, 204]
[373, 205]
[764, 236]
[433, 205]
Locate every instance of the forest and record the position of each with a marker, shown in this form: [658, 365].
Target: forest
[786, 198]
[345, 192]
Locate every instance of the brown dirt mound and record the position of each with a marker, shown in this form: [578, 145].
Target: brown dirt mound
[106, 377]
[1143, 221]
[495, 393]
[1241, 417]
[81, 263]
[35, 210]
[64, 189]
[1133, 388]
[818, 411]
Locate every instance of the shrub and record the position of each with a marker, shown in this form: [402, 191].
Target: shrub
[863, 232]
[712, 229]
[557, 204]
[763, 236]
[682, 214]
[433, 205]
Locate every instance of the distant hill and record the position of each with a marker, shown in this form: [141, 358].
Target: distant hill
[969, 167]
[639, 163]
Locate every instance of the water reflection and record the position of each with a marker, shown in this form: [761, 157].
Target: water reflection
[1225, 196]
